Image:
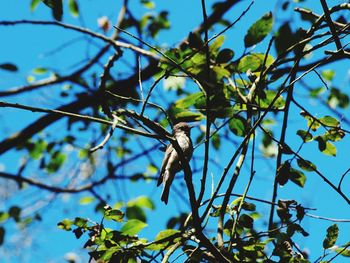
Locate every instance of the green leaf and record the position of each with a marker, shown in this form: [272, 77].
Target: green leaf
[305, 135]
[329, 121]
[254, 62]
[114, 214]
[330, 149]
[143, 201]
[314, 93]
[191, 100]
[132, 227]
[338, 98]
[80, 222]
[37, 149]
[73, 7]
[328, 74]
[34, 4]
[270, 96]
[259, 30]
[217, 43]
[331, 237]
[65, 224]
[334, 135]
[4, 216]
[343, 252]
[215, 140]
[306, 165]
[56, 161]
[135, 212]
[188, 116]
[312, 122]
[86, 200]
[221, 72]
[297, 177]
[326, 147]
[9, 67]
[39, 71]
[148, 4]
[224, 56]
[238, 125]
[164, 234]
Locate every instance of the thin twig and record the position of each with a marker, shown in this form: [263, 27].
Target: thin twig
[330, 24]
[108, 136]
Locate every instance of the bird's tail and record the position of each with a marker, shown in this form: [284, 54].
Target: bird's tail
[165, 193]
[167, 181]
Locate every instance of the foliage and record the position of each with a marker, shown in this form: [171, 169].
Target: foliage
[252, 103]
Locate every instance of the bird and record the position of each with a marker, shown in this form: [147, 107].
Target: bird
[171, 162]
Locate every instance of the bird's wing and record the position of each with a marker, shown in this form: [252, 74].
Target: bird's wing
[167, 154]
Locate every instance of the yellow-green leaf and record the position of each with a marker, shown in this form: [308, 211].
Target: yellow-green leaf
[132, 227]
[86, 200]
[73, 7]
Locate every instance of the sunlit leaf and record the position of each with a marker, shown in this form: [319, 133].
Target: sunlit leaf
[73, 7]
[221, 72]
[80, 222]
[132, 227]
[254, 62]
[86, 200]
[142, 201]
[39, 71]
[334, 135]
[216, 44]
[164, 234]
[328, 74]
[4, 216]
[326, 147]
[65, 224]
[114, 214]
[148, 4]
[329, 121]
[191, 100]
[343, 251]
[34, 4]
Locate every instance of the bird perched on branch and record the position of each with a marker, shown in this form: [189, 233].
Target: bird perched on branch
[171, 162]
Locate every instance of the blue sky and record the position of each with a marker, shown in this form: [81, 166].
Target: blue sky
[27, 46]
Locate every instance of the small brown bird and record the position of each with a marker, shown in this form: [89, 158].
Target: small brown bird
[171, 162]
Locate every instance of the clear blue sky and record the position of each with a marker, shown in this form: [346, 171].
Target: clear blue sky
[28, 45]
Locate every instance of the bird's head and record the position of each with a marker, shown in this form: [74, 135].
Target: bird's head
[182, 127]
